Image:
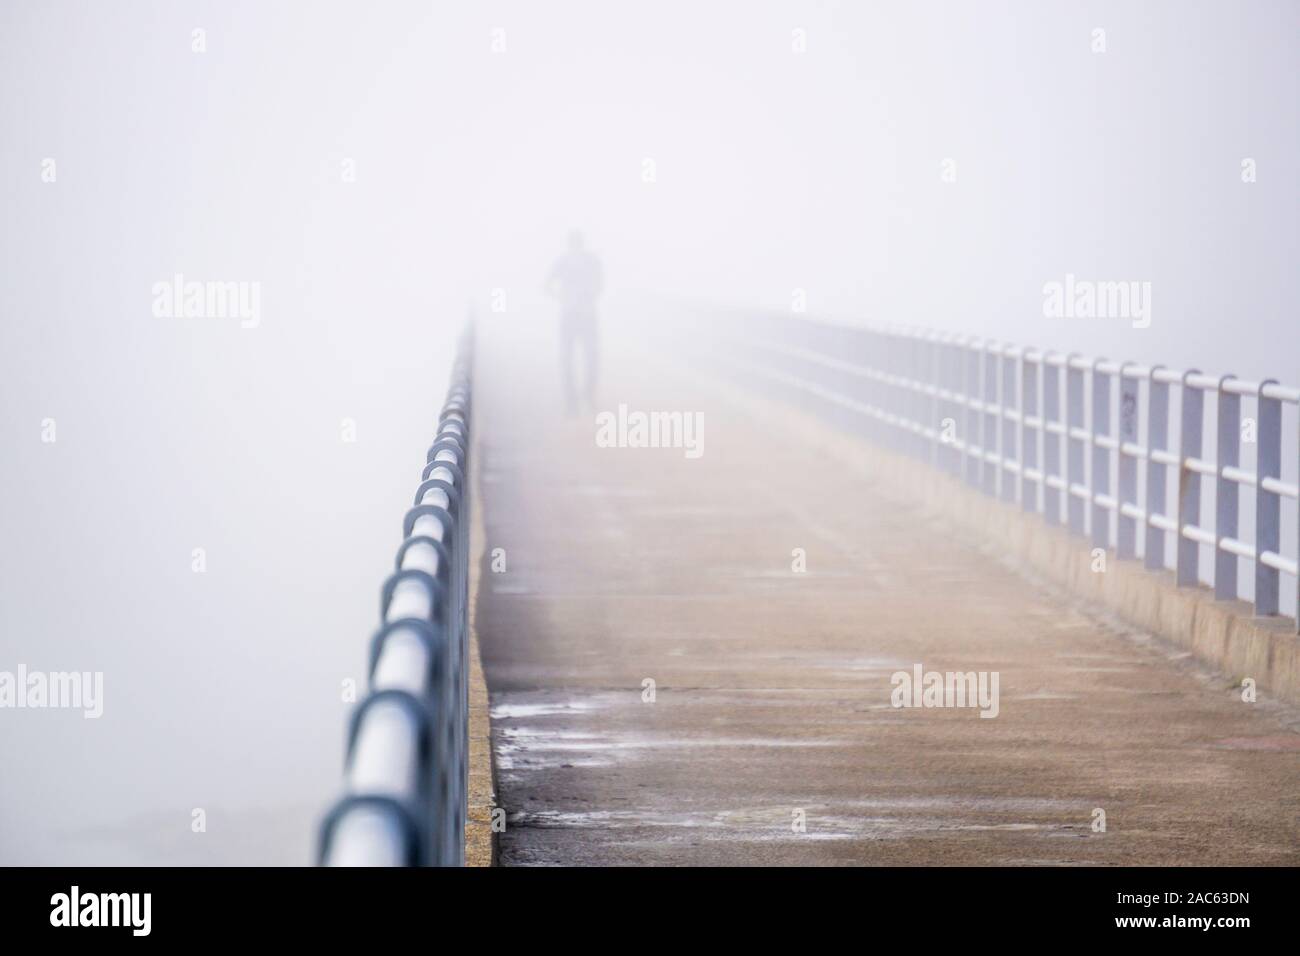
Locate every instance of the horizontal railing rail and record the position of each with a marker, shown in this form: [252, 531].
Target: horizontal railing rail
[406, 764]
[1091, 444]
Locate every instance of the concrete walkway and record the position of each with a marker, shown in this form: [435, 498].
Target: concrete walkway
[771, 738]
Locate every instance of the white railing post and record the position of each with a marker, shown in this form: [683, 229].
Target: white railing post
[1074, 505]
[1010, 453]
[1157, 473]
[876, 388]
[1268, 504]
[992, 407]
[1051, 440]
[1028, 433]
[971, 427]
[934, 380]
[904, 396]
[891, 406]
[1227, 454]
[921, 399]
[1099, 472]
[950, 382]
[1126, 464]
[1189, 481]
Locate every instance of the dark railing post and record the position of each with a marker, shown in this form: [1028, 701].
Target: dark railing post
[1029, 433]
[1189, 481]
[1099, 467]
[1227, 455]
[1130, 390]
[1157, 471]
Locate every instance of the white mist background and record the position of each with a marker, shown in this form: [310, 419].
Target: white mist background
[775, 171]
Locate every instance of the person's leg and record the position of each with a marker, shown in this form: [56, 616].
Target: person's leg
[568, 342]
[590, 348]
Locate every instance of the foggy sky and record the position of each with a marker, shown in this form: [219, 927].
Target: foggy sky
[773, 171]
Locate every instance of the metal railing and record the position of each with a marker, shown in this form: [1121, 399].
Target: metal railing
[1091, 444]
[406, 768]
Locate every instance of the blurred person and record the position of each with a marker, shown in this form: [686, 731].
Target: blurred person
[576, 281]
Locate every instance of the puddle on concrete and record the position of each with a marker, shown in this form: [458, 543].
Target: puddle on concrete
[526, 731]
[531, 748]
[511, 711]
[509, 757]
[775, 823]
[765, 742]
[562, 746]
[540, 739]
[511, 760]
[1030, 805]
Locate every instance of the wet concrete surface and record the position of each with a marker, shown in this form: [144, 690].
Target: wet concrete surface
[771, 738]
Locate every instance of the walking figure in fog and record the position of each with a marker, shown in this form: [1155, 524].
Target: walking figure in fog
[576, 280]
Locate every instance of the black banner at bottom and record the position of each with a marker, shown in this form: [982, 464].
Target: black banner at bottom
[359, 906]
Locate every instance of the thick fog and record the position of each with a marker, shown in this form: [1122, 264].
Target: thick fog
[203, 508]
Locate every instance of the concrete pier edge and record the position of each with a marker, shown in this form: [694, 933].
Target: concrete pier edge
[480, 841]
[1222, 634]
